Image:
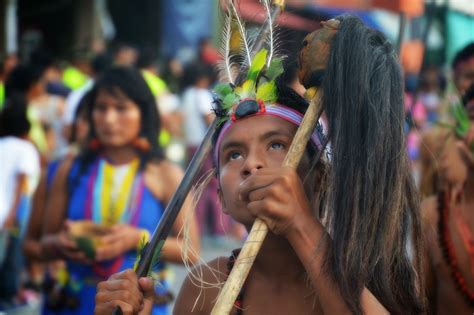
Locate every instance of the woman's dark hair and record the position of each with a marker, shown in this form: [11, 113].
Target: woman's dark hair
[22, 78]
[373, 208]
[13, 117]
[81, 111]
[130, 82]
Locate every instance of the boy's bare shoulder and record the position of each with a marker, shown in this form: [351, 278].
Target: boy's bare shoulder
[201, 287]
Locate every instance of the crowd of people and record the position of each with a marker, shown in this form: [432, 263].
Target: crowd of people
[91, 154]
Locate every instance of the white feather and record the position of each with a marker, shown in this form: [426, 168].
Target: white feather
[226, 67]
[243, 33]
[270, 38]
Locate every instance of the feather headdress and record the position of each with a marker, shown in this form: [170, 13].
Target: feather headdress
[261, 64]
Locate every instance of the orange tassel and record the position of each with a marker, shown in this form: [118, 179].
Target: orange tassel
[142, 144]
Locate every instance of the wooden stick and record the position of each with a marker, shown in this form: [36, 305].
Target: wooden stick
[244, 262]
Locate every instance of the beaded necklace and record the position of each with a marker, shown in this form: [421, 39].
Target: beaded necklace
[447, 249]
[102, 210]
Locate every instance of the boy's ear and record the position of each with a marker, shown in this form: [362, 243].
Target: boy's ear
[221, 200]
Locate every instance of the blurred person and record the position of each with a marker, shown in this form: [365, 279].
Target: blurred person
[196, 107]
[463, 68]
[28, 81]
[31, 244]
[125, 54]
[148, 63]
[448, 224]
[207, 53]
[10, 62]
[50, 105]
[430, 94]
[432, 139]
[121, 184]
[99, 64]
[53, 73]
[196, 102]
[2, 86]
[6, 65]
[20, 169]
[167, 106]
[172, 74]
[77, 73]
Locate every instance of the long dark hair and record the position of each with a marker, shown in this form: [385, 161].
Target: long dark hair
[373, 208]
[13, 118]
[130, 82]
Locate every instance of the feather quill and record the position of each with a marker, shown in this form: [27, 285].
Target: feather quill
[243, 33]
[226, 66]
[270, 38]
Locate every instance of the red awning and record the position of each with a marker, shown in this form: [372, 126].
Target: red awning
[409, 7]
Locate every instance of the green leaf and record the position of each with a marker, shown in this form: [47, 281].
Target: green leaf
[258, 63]
[267, 92]
[86, 245]
[275, 69]
[462, 120]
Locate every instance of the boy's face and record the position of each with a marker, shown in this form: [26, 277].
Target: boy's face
[250, 144]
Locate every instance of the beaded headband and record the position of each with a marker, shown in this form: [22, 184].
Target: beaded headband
[276, 110]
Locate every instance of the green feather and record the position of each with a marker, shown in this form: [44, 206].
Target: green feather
[156, 256]
[248, 89]
[222, 90]
[139, 251]
[258, 63]
[229, 101]
[267, 92]
[274, 69]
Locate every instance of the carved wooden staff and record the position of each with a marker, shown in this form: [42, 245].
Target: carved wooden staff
[313, 60]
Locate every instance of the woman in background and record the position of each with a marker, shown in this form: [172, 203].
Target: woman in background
[122, 183]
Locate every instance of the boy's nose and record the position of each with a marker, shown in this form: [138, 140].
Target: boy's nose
[251, 165]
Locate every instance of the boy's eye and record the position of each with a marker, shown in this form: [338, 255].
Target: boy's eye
[277, 145]
[234, 155]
